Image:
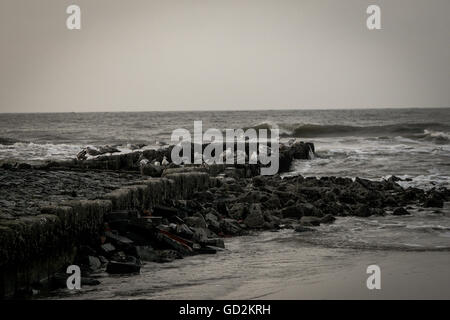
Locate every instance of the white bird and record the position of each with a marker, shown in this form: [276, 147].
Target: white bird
[240, 156]
[165, 162]
[157, 163]
[254, 157]
[143, 162]
[198, 157]
[228, 153]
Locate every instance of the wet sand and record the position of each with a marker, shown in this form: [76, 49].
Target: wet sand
[404, 275]
[275, 265]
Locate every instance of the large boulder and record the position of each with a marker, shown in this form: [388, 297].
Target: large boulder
[400, 212]
[363, 211]
[434, 200]
[149, 169]
[230, 226]
[327, 219]
[212, 221]
[310, 221]
[255, 219]
[196, 221]
[294, 211]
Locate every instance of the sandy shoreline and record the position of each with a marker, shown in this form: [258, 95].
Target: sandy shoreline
[405, 275]
[274, 266]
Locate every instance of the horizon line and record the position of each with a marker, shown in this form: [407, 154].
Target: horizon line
[234, 110]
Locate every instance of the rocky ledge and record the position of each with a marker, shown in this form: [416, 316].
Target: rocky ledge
[116, 221]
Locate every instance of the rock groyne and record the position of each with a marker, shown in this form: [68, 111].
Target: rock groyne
[36, 245]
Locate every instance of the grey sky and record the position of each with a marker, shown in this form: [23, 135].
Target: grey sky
[143, 55]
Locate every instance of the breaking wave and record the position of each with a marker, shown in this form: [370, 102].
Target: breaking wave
[436, 133]
[316, 130]
[437, 137]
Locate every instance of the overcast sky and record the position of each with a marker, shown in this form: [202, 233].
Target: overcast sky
[141, 55]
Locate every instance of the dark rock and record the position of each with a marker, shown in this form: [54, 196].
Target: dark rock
[103, 260]
[238, 210]
[196, 221]
[206, 250]
[165, 256]
[347, 197]
[175, 242]
[86, 281]
[107, 248]
[327, 219]
[390, 201]
[7, 166]
[363, 211]
[94, 263]
[310, 221]
[24, 166]
[118, 267]
[222, 208]
[147, 253]
[255, 218]
[292, 212]
[400, 212]
[200, 234]
[82, 155]
[434, 200]
[394, 179]
[164, 211]
[212, 221]
[118, 240]
[377, 211]
[230, 226]
[149, 169]
[215, 242]
[310, 210]
[184, 231]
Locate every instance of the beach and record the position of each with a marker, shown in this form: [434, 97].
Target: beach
[369, 187]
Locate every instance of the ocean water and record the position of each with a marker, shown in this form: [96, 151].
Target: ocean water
[410, 143]
[373, 144]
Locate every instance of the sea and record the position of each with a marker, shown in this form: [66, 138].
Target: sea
[412, 144]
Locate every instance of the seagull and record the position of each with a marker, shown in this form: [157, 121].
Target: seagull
[165, 162]
[198, 157]
[228, 153]
[254, 157]
[157, 163]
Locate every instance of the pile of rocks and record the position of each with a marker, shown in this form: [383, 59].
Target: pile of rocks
[130, 238]
[152, 162]
[234, 207]
[129, 219]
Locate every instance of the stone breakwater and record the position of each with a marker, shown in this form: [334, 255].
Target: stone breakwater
[54, 214]
[183, 211]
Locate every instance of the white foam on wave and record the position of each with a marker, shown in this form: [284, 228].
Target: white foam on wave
[437, 136]
[21, 151]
